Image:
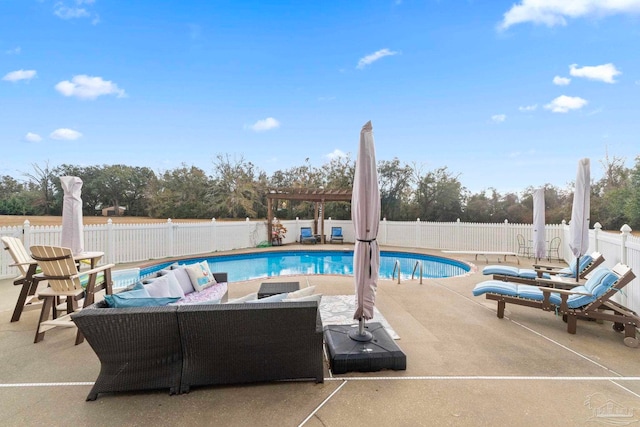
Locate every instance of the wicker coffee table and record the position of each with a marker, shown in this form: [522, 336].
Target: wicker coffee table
[274, 288]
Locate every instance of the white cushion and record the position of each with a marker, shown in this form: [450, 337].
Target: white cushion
[314, 297]
[174, 286]
[248, 297]
[272, 298]
[158, 287]
[304, 292]
[184, 280]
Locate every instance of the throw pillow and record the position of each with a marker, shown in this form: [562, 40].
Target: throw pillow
[184, 280]
[158, 287]
[175, 290]
[272, 298]
[200, 275]
[240, 300]
[304, 292]
[314, 297]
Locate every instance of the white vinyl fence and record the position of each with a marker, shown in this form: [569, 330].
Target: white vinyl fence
[125, 243]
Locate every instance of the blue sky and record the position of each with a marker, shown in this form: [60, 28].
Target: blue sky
[507, 94]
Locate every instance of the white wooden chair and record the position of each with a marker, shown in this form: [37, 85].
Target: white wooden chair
[28, 298]
[61, 272]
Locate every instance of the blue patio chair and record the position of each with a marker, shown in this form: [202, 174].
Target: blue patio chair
[306, 235]
[336, 235]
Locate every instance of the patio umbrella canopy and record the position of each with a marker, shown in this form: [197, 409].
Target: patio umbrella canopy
[365, 214]
[580, 212]
[539, 235]
[72, 229]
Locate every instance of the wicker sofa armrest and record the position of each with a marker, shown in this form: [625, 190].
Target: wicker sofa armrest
[138, 348]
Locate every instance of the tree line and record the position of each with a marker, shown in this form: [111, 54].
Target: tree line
[237, 189]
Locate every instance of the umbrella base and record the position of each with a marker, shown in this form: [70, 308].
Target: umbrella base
[347, 355]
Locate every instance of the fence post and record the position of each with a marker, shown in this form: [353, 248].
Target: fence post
[415, 242]
[214, 244]
[596, 230]
[26, 233]
[110, 242]
[170, 248]
[626, 231]
[457, 235]
[505, 233]
[384, 231]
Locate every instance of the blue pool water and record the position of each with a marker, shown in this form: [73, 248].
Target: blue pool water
[282, 263]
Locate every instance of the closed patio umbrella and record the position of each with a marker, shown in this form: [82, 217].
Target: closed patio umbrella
[72, 229]
[365, 214]
[539, 238]
[580, 213]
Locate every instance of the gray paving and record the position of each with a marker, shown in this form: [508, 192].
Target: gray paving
[464, 367]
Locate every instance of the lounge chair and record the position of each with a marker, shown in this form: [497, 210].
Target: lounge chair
[306, 235]
[336, 235]
[59, 269]
[592, 300]
[28, 298]
[530, 276]
[588, 263]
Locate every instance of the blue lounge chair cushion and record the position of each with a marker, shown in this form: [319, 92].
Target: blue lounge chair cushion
[570, 271]
[496, 287]
[507, 270]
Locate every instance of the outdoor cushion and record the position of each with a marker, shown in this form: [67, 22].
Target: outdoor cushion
[183, 279]
[165, 286]
[245, 298]
[200, 275]
[570, 271]
[136, 298]
[496, 287]
[507, 270]
[301, 293]
[315, 297]
[272, 298]
[212, 293]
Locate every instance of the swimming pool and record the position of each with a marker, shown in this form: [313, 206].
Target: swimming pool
[259, 265]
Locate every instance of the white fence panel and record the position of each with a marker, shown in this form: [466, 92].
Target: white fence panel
[125, 243]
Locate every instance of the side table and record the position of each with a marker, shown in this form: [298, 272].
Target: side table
[274, 288]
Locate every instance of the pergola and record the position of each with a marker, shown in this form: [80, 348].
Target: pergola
[318, 196]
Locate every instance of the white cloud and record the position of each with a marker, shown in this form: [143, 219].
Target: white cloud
[561, 81]
[77, 10]
[528, 108]
[369, 59]
[18, 75]
[87, 87]
[32, 137]
[65, 134]
[605, 72]
[336, 154]
[556, 12]
[265, 125]
[563, 104]
[14, 51]
[498, 118]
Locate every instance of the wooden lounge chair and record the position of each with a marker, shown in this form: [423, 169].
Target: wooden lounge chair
[588, 263]
[592, 300]
[530, 276]
[59, 269]
[27, 266]
[336, 235]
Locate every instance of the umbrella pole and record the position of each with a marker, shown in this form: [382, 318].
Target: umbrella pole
[361, 335]
[577, 268]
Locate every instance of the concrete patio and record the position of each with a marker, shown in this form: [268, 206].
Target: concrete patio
[464, 367]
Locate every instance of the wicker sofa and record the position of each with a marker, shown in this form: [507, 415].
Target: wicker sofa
[178, 347]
